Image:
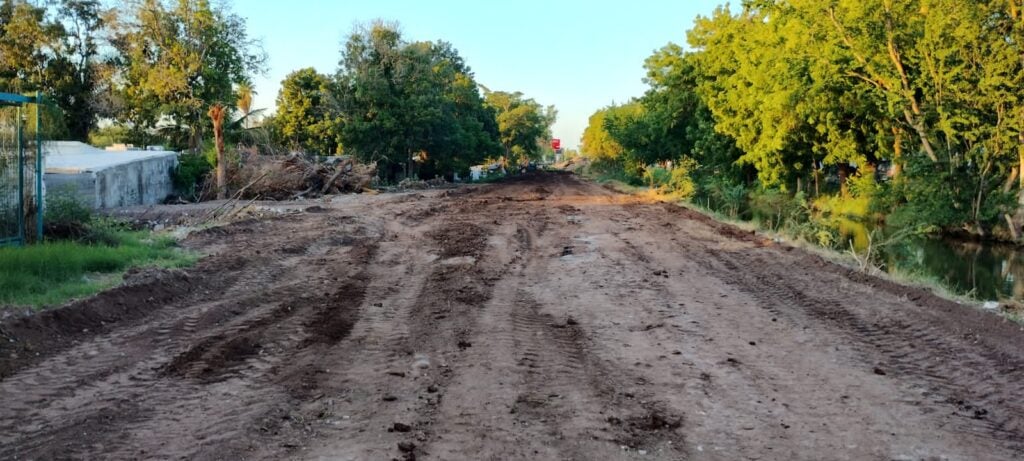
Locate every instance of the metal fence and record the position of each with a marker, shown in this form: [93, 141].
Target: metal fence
[21, 169]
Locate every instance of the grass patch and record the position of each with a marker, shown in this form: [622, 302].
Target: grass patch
[57, 271]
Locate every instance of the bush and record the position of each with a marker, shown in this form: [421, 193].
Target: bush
[656, 176]
[65, 216]
[940, 197]
[776, 208]
[613, 170]
[190, 173]
[721, 194]
[680, 181]
[110, 135]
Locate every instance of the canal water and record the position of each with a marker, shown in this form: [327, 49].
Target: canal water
[983, 270]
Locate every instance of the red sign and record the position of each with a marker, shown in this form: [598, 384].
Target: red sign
[556, 143]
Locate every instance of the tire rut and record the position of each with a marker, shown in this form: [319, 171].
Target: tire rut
[974, 383]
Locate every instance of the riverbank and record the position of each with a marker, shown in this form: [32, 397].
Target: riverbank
[896, 264]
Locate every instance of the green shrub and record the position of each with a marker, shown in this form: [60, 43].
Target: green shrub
[65, 216]
[680, 181]
[942, 197]
[656, 176]
[612, 170]
[776, 209]
[110, 135]
[190, 173]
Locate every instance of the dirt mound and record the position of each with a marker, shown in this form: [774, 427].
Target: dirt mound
[27, 338]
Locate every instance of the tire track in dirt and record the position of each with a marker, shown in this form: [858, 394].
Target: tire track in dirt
[913, 350]
[239, 328]
[537, 384]
[540, 318]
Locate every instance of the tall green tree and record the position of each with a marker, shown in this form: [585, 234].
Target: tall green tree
[411, 107]
[521, 123]
[597, 143]
[308, 115]
[53, 48]
[177, 59]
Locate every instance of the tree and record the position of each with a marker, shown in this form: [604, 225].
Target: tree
[521, 123]
[598, 144]
[411, 107]
[243, 102]
[216, 114]
[176, 60]
[51, 48]
[74, 70]
[308, 115]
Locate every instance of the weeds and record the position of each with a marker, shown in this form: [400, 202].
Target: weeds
[56, 271]
[869, 258]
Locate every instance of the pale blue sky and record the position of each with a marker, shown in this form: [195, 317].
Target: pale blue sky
[576, 55]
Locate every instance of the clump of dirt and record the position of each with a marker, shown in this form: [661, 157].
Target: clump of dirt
[212, 359]
[461, 239]
[651, 426]
[334, 317]
[726, 230]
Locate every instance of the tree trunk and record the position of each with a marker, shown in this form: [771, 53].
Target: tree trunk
[897, 153]
[1011, 180]
[408, 163]
[817, 183]
[1020, 168]
[844, 173]
[217, 117]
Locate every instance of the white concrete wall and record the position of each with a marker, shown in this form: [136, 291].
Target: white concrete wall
[109, 180]
[142, 182]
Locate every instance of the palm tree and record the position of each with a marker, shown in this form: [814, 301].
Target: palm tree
[217, 117]
[244, 102]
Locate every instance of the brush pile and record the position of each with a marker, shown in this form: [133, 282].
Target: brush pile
[294, 176]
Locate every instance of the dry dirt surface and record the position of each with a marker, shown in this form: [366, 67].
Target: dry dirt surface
[541, 318]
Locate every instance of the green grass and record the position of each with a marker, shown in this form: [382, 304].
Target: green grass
[55, 272]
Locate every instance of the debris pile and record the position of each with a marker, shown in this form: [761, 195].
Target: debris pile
[419, 184]
[574, 164]
[294, 176]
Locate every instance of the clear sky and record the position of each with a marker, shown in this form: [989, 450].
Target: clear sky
[576, 55]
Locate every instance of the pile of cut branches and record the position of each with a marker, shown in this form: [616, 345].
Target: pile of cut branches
[294, 176]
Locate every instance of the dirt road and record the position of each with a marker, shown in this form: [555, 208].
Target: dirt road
[543, 318]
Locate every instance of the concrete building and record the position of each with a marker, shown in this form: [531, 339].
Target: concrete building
[108, 178]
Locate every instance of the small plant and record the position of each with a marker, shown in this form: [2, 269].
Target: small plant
[66, 216]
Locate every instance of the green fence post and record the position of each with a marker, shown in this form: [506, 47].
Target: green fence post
[39, 167]
[20, 133]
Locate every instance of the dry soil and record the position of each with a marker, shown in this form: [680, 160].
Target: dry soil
[541, 318]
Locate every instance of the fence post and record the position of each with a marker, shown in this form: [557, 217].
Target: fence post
[39, 167]
[20, 134]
